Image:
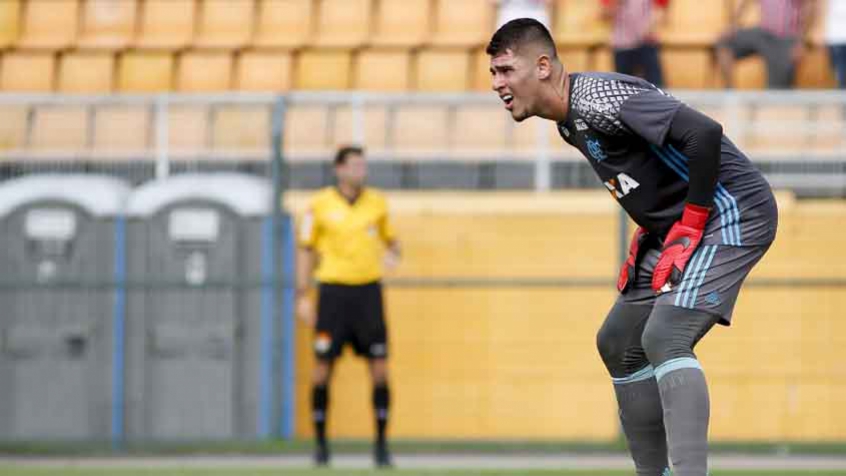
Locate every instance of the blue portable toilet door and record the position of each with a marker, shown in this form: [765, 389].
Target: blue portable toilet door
[193, 323]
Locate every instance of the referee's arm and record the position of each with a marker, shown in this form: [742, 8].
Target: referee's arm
[393, 254]
[306, 262]
[393, 250]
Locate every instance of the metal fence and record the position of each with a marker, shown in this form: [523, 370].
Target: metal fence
[415, 141]
[466, 141]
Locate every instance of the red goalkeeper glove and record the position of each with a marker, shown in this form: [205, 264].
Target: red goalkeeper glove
[679, 245]
[629, 270]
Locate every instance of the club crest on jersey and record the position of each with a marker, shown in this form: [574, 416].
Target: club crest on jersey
[580, 125]
[621, 186]
[595, 149]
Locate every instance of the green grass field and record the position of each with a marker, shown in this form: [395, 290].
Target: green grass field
[44, 471]
[400, 446]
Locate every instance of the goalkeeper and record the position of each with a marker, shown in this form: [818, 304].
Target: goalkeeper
[706, 216]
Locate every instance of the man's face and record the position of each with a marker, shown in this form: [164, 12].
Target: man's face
[515, 81]
[353, 171]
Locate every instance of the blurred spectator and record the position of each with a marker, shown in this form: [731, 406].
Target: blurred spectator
[780, 39]
[835, 38]
[511, 9]
[633, 37]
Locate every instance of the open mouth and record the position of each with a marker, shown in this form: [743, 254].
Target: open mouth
[508, 99]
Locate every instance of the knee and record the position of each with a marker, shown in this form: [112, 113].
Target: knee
[654, 340]
[379, 372]
[723, 54]
[611, 347]
[660, 344]
[322, 373]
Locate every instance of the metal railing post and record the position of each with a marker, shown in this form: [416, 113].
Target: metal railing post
[162, 128]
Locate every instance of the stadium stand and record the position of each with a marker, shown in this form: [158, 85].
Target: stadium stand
[481, 131]
[689, 25]
[308, 131]
[323, 69]
[10, 12]
[691, 68]
[241, 131]
[402, 23]
[225, 24]
[28, 72]
[86, 73]
[210, 46]
[578, 23]
[264, 71]
[122, 132]
[166, 24]
[383, 70]
[13, 128]
[443, 70]
[764, 120]
[462, 23]
[374, 127]
[107, 24]
[60, 131]
[49, 24]
[145, 72]
[284, 24]
[343, 23]
[189, 132]
[345, 38]
[204, 72]
[831, 128]
[422, 130]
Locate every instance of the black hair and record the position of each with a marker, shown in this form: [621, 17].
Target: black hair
[346, 151]
[519, 33]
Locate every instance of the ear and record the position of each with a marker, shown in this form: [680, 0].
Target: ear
[544, 67]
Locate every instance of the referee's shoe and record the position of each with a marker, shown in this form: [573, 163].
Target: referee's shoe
[321, 456]
[381, 456]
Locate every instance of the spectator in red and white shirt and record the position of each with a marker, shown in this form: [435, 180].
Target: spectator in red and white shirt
[780, 38]
[633, 38]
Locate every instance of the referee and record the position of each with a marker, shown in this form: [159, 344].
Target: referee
[343, 238]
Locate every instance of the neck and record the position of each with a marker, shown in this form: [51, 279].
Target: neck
[350, 192]
[556, 98]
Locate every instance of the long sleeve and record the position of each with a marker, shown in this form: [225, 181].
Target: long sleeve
[698, 137]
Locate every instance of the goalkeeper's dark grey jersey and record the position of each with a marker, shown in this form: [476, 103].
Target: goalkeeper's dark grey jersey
[620, 125]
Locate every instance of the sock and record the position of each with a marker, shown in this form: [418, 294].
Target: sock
[684, 396]
[642, 418]
[319, 405]
[381, 403]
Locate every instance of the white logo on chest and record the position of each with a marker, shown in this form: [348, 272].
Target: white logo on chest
[621, 186]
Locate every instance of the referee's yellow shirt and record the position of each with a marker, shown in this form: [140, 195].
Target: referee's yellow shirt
[348, 237]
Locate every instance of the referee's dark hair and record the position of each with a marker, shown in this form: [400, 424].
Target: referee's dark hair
[519, 33]
[346, 151]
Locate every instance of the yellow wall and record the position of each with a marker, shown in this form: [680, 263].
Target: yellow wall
[510, 362]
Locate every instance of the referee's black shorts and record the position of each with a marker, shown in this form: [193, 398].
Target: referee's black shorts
[351, 314]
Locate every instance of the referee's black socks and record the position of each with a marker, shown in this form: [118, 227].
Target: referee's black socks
[319, 404]
[381, 403]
